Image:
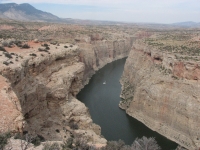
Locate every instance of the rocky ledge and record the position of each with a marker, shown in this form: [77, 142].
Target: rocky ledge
[163, 92]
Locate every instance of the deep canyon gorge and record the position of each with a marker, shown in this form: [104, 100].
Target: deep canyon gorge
[38, 89]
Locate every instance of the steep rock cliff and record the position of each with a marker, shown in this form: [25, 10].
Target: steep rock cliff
[41, 89]
[163, 93]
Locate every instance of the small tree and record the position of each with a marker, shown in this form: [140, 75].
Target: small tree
[145, 144]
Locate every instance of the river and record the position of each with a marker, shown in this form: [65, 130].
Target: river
[103, 100]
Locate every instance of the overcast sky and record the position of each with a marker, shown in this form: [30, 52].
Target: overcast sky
[154, 11]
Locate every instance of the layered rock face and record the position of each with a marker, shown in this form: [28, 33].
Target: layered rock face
[41, 90]
[163, 93]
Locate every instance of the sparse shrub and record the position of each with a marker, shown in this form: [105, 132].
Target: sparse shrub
[65, 46]
[54, 146]
[42, 50]
[25, 46]
[47, 48]
[4, 140]
[18, 43]
[8, 55]
[5, 44]
[73, 125]
[18, 136]
[36, 140]
[29, 138]
[2, 49]
[145, 143]
[116, 145]
[67, 144]
[21, 56]
[32, 54]
[53, 43]
[45, 45]
[6, 63]
[71, 45]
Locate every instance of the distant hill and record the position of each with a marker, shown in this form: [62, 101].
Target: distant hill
[25, 12]
[187, 24]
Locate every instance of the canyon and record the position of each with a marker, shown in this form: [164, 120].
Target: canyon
[38, 89]
[160, 82]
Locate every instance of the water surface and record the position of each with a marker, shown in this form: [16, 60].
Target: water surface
[103, 100]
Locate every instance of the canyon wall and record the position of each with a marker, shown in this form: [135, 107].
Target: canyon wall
[97, 54]
[39, 91]
[163, 93]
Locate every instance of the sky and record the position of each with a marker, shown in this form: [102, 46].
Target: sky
[144, 11]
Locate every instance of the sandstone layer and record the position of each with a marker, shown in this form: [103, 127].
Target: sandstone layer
[163, 93]
[39, 89]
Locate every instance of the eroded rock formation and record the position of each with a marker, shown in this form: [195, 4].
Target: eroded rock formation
[163, 93]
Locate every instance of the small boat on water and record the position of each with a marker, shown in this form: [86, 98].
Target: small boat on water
[104, 82]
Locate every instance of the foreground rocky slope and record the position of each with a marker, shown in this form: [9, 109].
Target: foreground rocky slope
[38, 92]
[163, 92]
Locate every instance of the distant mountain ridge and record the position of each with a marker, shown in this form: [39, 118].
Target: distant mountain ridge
[187, 24]
[25, 12]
